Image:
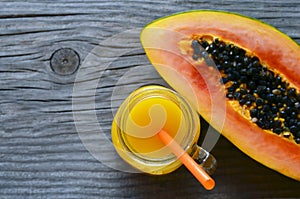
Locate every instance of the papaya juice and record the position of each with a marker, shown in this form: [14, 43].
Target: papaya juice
[152, 145]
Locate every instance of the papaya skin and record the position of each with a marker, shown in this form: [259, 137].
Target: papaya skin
[161, 40]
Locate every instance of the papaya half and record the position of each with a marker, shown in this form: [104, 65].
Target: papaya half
[242, 76]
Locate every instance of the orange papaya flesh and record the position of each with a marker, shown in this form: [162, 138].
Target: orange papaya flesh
[256, 74]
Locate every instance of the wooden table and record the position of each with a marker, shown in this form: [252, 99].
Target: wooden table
[41, 153]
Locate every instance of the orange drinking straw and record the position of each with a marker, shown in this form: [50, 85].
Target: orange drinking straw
[187, 160]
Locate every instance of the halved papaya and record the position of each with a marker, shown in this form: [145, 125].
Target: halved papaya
[251, 91]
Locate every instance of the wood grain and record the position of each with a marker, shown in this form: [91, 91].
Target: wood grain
[41, 154]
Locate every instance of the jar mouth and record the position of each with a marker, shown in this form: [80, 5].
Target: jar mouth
[187, 135]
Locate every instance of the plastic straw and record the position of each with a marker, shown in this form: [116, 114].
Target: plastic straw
[199, 173]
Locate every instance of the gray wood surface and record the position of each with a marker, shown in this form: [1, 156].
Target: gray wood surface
[41, 153]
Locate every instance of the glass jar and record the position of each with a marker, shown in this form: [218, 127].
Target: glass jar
[135, 140]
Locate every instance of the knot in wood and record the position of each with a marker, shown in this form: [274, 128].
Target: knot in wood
[64, 61]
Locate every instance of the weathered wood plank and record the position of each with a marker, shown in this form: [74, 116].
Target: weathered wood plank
[41, 154]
